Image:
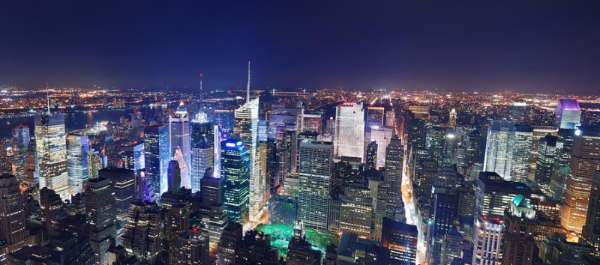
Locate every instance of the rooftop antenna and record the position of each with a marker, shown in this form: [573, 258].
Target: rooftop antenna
[48, 98]
[248, 85]
[201, 75]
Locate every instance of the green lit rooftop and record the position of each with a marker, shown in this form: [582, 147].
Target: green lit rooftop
[281, 234]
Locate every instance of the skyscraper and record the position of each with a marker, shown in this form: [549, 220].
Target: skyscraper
[568, 113]
[101, 215]
[545, 160]
[202, 149]
[499, 148]
[179, 133]
[235, 169]
[349, 140]
[77, 152]
[585, 159]
[382, 136]
[157, 154]
[520, 228]
[246, 129]
[142, 234]
[21, 141]
[213, 208]
[591, 229]
[122, 187]
[356, 212]
[519, 170]
[12, 215]
[401, 239]
[51, 147]
[314, 173]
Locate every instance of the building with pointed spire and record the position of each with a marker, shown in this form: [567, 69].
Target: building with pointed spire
[179, 132]
[51, 148]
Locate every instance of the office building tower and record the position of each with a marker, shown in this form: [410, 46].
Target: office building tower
[101, 215]
[214, 216]
[143, 188]
[77, 152]
[133, 156]
[53, 211]
[193, 248]
[499, 148]
[401, 240]
[142, 234]
[487, 241]
[519, 232]
[568, 113]
[300, 252]
[174, 177]
[313, 122]
[545, 159]
[246, 130]
[375, 117]
[123, 189]
[444, 214]
[349, 131]
[452, 119]
[389, 201]
[63, 249]
[591, 229]
[177, 222]
[475, 153]
[235, 169]
[12, 215]
[356, 211]
[20, 145]
[179, 134]
[561, 166]
[585, 159]
[314, 174]
[519, 170]
[555, 249]
[230, 239]
[202, 149]
[452, 246]
[184, 169]
[416, 132]
[371, 155]
[95, 162]
[6, 156]
[382, 136]
[51, 148]
[157, 154]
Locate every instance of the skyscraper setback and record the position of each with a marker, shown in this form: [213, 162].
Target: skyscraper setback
[179, 133]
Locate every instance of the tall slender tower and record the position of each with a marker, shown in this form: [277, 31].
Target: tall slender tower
[51, 146]
[179, 128]
[248, 85]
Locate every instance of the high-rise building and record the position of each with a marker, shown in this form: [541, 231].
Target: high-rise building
[193, 248]
[101, 215]
[235, 169]
[123, 189]
[375, 117]
[142, 235]
[401, 239]
[545, 159]
[519, 232]
[444, 213]
[591, 229]
[300, 252]
[519, 170]
[568, 113]
[95, 162]
[585, 159]
[133, 156]
[246, 129]
[389, 201]
[77, 152]
[356, 211]
[20, 145]
[51, 148]
[179, 134]
[561, 166]
[202, 149]
[452, 119]
[349, 140]
[157, 154]
[382, 136]
[213, 207]
[230, 239]
[499, 148]
[314, 173]
[416, 130]
[177, 222]
[12, 215]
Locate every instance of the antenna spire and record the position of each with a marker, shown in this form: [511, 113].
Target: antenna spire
[248, 85]
[48, 98]
[201, 97]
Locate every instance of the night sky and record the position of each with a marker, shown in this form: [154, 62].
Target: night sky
[455, 45]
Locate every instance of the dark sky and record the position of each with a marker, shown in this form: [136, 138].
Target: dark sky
[455, 45]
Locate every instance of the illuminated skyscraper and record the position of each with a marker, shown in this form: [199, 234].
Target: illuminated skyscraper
[179, 133]
[591, 230]
[349, 140]
[545, 160]
[12, 215]
[51, 147]
[77, 152]
[235, 169]
[585, 159]
[568, 113]
[142, 234]
[122, 188]
[314, 173]
[499, 148]
[401, 239]
[375, 117]
[202, 149]
[101, 215]
[246, 129]
[520, 229]
[452, 119]
[519, 170]
[382, 136]
[20, 146]
[157, 154]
